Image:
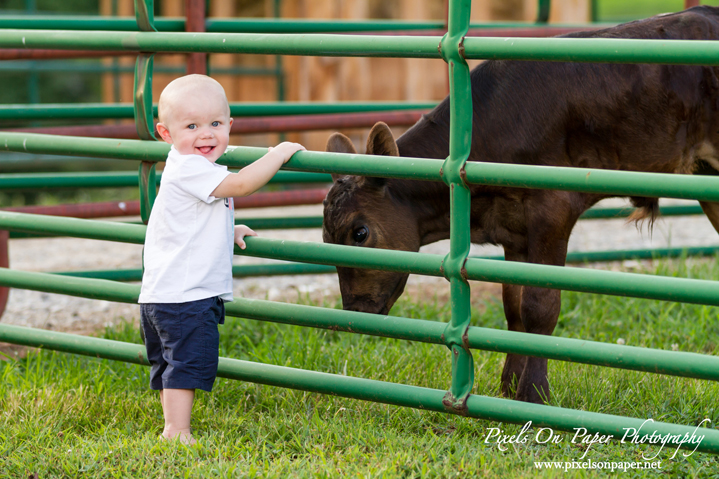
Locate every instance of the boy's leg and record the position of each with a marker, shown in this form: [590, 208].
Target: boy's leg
[153, 343]
[192, 358]
[177, 409]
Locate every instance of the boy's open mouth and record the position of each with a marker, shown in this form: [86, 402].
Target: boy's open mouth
[205, 149]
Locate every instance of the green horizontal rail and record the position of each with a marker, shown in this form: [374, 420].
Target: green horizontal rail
[668, 210]
[269, 25]
[84, 66]
[648, 253]
[545, 276]
[565, 349]
[620, 183]
[281, 223]
[611, 182]
[252, 270]
[272, 44]
[19, 181]
[503, 410]
[19, 162]
[122, 275]
[75, 227]
[594, 50]
[243, 25]
[595, 281]
[614, 50]
[238, 271]
[557, 277]
[254, 223]
[84, 111]
[90, 147]
[117, 179]
[295, 222]
[87, 22]
[591, 214]
[317, 162]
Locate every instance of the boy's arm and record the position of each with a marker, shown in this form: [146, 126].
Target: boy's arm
[256, 175]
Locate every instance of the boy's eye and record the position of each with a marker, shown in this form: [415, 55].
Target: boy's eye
[192, 126]
[215, 124]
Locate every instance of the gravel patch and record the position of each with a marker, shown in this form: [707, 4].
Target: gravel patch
[78, 315]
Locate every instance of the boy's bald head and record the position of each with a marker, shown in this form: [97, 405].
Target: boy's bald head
[178, 90]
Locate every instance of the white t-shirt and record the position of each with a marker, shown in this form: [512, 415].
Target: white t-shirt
[190, 234]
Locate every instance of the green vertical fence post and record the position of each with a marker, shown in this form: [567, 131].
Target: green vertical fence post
[144, 14]
[543, 7]
[459, 146]
[594, 11]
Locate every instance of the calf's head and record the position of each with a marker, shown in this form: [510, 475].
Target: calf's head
[367, 212]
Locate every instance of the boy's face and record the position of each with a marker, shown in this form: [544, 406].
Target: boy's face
[198, 124]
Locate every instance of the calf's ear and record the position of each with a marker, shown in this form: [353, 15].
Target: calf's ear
[339, 143]
[381, 142]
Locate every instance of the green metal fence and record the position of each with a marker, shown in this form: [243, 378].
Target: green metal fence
[243, 25]
[457, 267]
[85, 111]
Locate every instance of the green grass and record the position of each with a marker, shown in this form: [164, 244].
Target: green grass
[67, 416]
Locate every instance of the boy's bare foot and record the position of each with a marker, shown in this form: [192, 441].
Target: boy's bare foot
[183, 436]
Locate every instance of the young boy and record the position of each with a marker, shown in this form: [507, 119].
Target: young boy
[189, 244]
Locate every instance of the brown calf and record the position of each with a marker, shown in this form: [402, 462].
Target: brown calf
[652, 118]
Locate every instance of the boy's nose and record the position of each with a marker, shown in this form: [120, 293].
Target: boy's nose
[206, 133]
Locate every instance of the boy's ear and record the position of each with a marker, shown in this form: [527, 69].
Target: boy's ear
[164, 132]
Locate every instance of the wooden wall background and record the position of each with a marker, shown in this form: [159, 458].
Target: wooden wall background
[329, 78]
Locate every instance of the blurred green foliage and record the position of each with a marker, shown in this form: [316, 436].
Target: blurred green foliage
[623, 11]
[52, 87]
[79, 7]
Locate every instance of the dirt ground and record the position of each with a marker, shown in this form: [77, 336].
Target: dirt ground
[84, 316]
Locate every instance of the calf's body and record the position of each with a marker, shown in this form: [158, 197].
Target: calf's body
[651, 118]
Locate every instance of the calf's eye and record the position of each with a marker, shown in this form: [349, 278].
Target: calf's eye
[360, 234]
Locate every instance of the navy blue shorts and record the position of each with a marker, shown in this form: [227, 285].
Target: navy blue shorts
[183, 342]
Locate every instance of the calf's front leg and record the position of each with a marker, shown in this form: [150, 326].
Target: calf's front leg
[551, 215]
[512, 299]
[540, 310]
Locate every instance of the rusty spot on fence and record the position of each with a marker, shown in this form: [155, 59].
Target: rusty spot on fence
[461, 49]
[454, 406]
